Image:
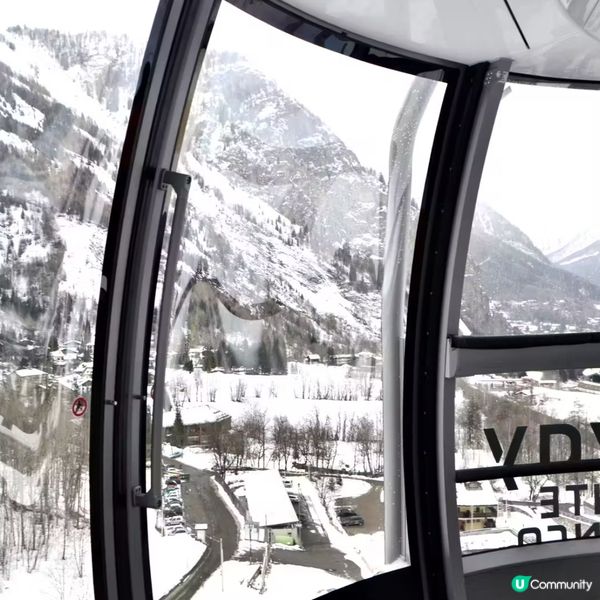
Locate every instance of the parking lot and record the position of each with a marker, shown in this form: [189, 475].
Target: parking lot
[172, 501]
[368, 506]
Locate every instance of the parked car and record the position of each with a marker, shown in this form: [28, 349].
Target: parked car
[173, 511]
[184, 477]
[287, 483]
[294, 498]
[173, 480]
[174, 530]
[171, 521]
[349, 517]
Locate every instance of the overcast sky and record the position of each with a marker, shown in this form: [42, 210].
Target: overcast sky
[133, 17]
[540, 170]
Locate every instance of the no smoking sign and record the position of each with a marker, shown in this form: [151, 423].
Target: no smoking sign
[79, 406]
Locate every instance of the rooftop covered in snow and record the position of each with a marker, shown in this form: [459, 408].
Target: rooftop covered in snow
[476, 497]
[268, 502]
[29, 373]
[195, 415]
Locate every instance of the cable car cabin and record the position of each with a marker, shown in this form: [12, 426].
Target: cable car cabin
[352, 242]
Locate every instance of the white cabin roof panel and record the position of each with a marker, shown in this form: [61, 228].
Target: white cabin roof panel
[563, 43]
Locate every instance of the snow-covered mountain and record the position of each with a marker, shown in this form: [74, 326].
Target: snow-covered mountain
[521, 286]
[59, 148]
[291, 209]
[581, 255]
[286, 216]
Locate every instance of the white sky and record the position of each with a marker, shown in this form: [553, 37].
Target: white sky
[358, 101]
[133, 17]
[543, 166]
[540, 170]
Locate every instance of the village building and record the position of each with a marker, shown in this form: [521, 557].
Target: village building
[477, 506]
[310, 359]
[270, 515]
[342, 359]
[196, 356]
[200, 424]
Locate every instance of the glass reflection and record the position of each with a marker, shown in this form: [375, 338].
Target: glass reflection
[64, 103]
[538, 418]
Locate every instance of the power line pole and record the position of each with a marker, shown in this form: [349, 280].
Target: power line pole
[222, 576]
[221, 553]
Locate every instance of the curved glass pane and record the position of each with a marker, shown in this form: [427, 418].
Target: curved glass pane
[534, 257]
[275, 413]
[528, 418]
[68, 72]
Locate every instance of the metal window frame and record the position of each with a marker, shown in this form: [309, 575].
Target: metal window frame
[488, 355]
[458, 79]
[476, 355]
[434, 306]
[117, 466]
[531, 553]
[461, 138]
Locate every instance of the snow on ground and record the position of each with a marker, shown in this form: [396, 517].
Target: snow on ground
[333, 391]
[235, 513]
[171, 556]
[54, 578]
[561, 403]
[352, 488]
[198, 458]
[82, 259]
[283, 581]
[33, 61]
[12, 139]
[338, 538]
[371, 547]
[477, 542]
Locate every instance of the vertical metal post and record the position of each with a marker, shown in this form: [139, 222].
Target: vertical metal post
[222, 576]
[441, 244]
[397, 260]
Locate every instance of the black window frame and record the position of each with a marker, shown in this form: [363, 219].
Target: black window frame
[468, 355]
[118, 526]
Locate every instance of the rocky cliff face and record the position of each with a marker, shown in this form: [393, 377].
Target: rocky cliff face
[286, 213]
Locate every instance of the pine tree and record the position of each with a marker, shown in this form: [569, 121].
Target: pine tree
[209, 361]
[264, 358]
[178, 429]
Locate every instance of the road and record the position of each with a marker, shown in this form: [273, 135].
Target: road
[318, 552]
[369, 506]
[202, 504]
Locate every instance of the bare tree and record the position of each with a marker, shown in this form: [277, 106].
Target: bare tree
[319, 440]
[283, 440]
[238, 391]
[254, 425]
[365, 438]
[227, 448]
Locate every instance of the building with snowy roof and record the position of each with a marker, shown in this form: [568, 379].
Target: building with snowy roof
[200, 424]
[312, 358]
[270, 512]
[477, 505]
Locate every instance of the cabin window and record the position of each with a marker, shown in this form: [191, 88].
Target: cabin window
[276, 324]
[533, 265]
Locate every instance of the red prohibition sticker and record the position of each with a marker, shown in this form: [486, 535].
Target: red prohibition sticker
[79, 406]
